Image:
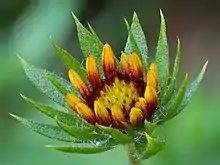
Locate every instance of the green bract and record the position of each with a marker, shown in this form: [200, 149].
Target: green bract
[82, 137]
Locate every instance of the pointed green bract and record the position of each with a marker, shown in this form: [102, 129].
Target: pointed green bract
[84, 133]
[140, 142]
[171, 110]
[117, 135]
[89, 43]
[83, 148]
[70, 61]
[162, 54]
[49, 131]
[56, 83]
[132, 45]
[95, 35]
[149, 127]
[153, 147]
[173, 82]
[67, 118]
[136, 37]
[191, 88]
[39, 78]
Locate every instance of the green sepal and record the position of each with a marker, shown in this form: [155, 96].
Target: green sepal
[70, 61]
[140, 142]
[59, 86]
[191, 88]
[149, 127]
[132, 45]
[89, 43]
[136, 37]
[84, 133]
[117, 135]
[153, 147]
[173, 81]
[49, 131]
[95, 35]
[162, 54]
[39, 78]
[171, 110]
[84, 148]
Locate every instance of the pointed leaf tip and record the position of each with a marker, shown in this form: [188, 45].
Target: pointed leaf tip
[153, 147]
[162, 54]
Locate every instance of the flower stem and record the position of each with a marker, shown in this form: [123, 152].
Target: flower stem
[132, 154]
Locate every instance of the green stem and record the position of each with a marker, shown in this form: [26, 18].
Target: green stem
[132, 154]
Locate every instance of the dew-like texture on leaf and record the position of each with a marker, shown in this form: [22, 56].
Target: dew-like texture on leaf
[85, 148]
[67, 118]
[50, 131]
[84, 133]
[89, 43]
[140, 142]
[172, 86]
[162, 54]
[39, 78]
[70, 61]
[170, 109]
[140, 40]
[191, 88]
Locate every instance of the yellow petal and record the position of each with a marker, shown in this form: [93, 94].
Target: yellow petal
[117, 114]
[153, 67]
[136, 116]
[124, 64]
[108, 62]
[101, 113]
[152, 79]
[135, 66]
[72, 100]
[151, 98]
[79, 84]
[85, 112]
[141, 103]
[92, 72]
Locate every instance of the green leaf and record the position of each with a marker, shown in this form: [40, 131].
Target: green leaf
[162, 54]
[173, 82]
[84, 148]
[153, 147]
[67, 118]
[39, 78]
[171, 111]
[149, 127]
[89, 43]
[191, 88]
[117, 135]
[95, 35]
[137, 38]
[56, 83]
[84, 133]
[70, 61]
[49, 131]
[140, 142]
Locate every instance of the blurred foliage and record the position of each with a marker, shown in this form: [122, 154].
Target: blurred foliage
[25, 28]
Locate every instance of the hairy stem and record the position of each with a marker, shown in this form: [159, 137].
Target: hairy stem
[132, 154]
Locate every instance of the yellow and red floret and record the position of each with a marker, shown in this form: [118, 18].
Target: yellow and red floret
[125, 95]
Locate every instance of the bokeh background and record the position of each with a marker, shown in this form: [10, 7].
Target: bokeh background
[25, 27]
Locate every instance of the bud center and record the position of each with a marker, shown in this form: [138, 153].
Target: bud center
[120, 93]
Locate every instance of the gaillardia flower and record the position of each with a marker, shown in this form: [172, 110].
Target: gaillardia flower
[111, 100]
[123, 95]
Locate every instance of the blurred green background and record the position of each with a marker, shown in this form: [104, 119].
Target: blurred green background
[25, 27]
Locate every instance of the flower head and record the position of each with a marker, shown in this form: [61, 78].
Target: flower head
[124, 95]
[114, 101]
